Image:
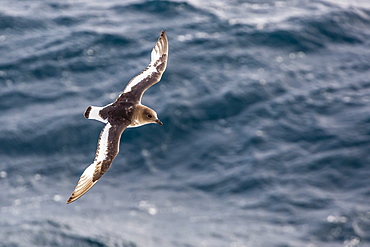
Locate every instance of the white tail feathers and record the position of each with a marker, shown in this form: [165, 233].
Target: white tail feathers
[92, 112]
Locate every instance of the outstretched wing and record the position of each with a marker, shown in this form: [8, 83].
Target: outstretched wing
[151, 75]
[108, 148]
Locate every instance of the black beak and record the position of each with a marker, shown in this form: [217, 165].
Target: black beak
[158, 122]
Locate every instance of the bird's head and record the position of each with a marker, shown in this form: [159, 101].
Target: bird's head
[150, 116]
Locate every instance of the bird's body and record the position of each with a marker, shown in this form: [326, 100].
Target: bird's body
[126, 112]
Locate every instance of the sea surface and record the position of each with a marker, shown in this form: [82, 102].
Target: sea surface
[266, 112]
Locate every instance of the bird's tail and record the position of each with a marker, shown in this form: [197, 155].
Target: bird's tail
[92, 112]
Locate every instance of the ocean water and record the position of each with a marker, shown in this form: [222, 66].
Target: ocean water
[266, 112]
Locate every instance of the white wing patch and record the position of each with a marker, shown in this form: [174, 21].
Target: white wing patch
[102, 149]
[86, 180]
[146, 73]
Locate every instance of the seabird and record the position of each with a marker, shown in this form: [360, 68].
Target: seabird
[127, 111]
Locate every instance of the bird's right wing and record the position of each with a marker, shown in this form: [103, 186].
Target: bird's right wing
[107, 150]
[151, 75]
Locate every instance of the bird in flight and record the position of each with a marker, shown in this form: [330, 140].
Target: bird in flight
[126, 112]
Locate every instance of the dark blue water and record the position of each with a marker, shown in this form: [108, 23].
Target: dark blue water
[266, 112]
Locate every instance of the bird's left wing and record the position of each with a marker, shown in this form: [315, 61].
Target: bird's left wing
[151, 75]
[107, 150]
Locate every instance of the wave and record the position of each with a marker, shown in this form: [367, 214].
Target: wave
[164, 9]
[19, 23]
[53, 233]
[310, 33]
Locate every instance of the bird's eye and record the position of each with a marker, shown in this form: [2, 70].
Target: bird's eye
[149, 116]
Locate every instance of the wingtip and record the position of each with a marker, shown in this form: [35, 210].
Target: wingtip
[163, 34]
[75, 197]
[70, 199]
[163, 40]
